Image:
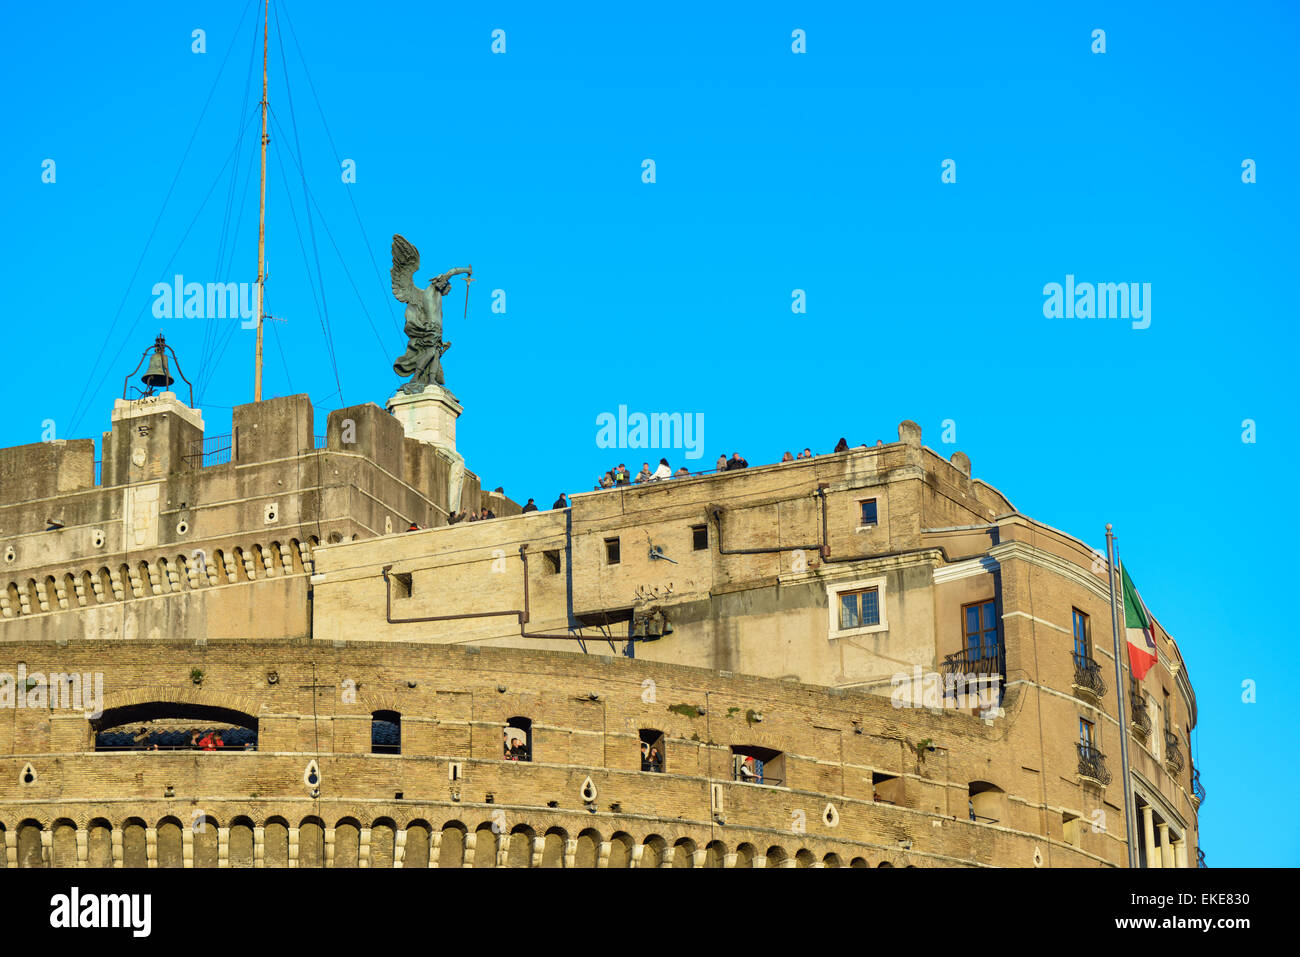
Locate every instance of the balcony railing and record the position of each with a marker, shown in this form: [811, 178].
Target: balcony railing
[1141, 719]
[209, 450]
[972, 661]
[1173, 753]
[1087, 675]
[1198, 789]
[1092, 764]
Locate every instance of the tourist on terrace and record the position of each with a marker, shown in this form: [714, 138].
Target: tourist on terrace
[721, 464]
[787, 457]
[486, 514]
[560, 502]
[622, 476]
[644, 475]
[806, 454]
[531, 506]
[683, 471]
[663, 471]
[737, 462]
[842, 445]
[606, 480]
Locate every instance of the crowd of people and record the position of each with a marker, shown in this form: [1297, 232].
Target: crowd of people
[620, 476]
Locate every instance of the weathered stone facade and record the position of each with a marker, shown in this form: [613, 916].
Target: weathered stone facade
[279, 592]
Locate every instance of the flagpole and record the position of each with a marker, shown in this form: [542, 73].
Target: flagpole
[1130, 820]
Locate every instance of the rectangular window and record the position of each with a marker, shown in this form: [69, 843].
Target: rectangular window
[1085, 733]
[980, 630]
[553, 560]
[700, 537]
[868, 512]
[1082, 635]
[860, 608]
[402, 585]
[1167, 721]
[611, 551]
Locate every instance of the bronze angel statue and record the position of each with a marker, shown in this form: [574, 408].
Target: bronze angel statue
[422, 360]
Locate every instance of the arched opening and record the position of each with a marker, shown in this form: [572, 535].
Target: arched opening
[715, 854]
[383, 843]
[219, 566]
[684, 853]
[30, 851]
[588, 849]
[295, 557]
[134, 850]
[755, 765]
[385, 732]
[776, 856]
[883, 864]
[174, 726]
[275, 843]
[832, 860]
[745, 854]
[169, 843]
[347, 843]
[859, 862]
[485, 845]
[99, 843]
[520, 853]
[206, 844]
[51, 594]
[164, 578]
[64, 845]
[106, 585]
[553, 847]
[804, 858]
[417, 845]
[240, 843]
[147, 587]
[620, 850]
[88, 594]
[311, 842]
[517, 739]
[653, 750]
[451, 852]
[987, 803]
[70, 590]
[652, 854]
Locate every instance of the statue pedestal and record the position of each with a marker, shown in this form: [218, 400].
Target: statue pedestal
[430, 417]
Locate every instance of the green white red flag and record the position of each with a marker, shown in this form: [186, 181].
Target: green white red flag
[1140, 628]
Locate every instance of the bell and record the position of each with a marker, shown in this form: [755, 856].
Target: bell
[157, 374]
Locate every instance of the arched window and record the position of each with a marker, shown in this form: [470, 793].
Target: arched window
[385, 732]
[653, 753]
[987, 803]
[517, 740]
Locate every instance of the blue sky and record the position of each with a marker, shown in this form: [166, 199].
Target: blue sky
[774, 172]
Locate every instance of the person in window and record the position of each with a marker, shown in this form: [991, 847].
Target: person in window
[737, 462]
[561, 502]
[842, 445]
[644, 475]
[747, 772]
[663, 471]
[656, 761]
[207, 743]
[520, 749]
[531, 506]
[645, 756]
[506, 750]
[194, 740]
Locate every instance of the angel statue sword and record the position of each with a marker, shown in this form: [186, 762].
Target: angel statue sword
[422, 360]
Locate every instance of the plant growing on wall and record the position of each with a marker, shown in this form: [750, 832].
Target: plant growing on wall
[686, 710]
[196, 675]
[922, 747]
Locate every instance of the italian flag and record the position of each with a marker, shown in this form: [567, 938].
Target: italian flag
[1139, 626]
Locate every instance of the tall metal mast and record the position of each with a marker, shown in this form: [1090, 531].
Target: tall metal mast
[261, 227]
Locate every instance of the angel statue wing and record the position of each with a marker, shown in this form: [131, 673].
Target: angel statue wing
[406, 260]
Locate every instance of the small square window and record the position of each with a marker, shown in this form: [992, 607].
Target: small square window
[553, 560]
[402, 585]
[868, 512]
[611, 551]
[700, 537]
